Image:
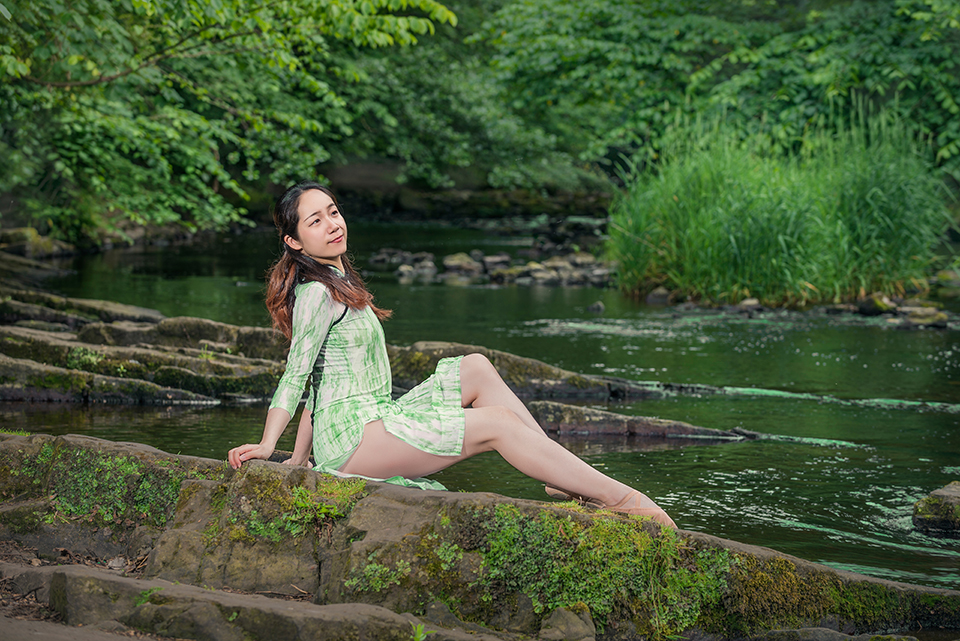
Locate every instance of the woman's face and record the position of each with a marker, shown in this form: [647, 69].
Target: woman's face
[322, 231]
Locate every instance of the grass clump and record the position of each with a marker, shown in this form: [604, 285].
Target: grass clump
[856, 209]
[615, 567]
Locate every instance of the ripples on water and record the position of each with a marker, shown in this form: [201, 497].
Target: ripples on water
[836, 486]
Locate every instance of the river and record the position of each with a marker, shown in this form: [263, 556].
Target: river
[835, 484]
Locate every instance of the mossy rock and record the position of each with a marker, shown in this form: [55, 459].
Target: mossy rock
[88, 495]
[102, 310]
[25, 380]
[198, 371]
[938, 514]
[561, 418]
[259, 529]
[14, 311]
[876, 304]
[527, 377]
[490, 560]
[186, 332]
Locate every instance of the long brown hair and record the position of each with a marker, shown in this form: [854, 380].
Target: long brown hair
[294, 267]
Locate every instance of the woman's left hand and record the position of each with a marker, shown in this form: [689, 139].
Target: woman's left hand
[293, 460]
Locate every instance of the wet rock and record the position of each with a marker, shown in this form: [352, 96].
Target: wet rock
[18, 272]
[81, 310]
[14, 311]
[574, 419]
[202, 371]
[568, 625]
[948, 278]
[194, 333]
[925, 317]
[597, 307]
[938, 514]
[388, 258]
[582, 259]
[27, 241]
[496, 262]
[462, 263]
[875, 304]
[659, 296]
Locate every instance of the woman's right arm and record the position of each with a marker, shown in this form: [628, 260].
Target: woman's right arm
[313, 314]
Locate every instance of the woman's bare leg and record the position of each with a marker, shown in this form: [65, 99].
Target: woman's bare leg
[382, 455]
[482, 386]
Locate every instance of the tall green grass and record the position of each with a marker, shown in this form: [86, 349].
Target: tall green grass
[856, 209]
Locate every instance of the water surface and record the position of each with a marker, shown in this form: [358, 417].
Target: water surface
[835, 483]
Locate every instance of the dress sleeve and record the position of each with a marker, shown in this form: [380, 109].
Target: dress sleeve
[313, 314]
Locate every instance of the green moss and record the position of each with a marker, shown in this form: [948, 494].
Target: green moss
[373, 576]
[15, 432]
[439, 559]
[66, 382]
[932, 507]
[767, 594]
[579, 382]
[262, 507]
[615, 567]
[113, 489]
[83, 358]
[412, 366]
[24, 520]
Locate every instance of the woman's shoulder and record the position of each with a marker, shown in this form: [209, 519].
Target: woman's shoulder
[314, 286]
[311, 293]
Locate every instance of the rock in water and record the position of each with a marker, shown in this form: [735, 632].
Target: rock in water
[938, 514]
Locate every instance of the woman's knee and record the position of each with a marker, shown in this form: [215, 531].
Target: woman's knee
[478, 368]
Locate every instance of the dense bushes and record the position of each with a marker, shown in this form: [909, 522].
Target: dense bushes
[853, 212]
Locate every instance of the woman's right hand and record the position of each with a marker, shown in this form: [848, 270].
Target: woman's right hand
[238, 455]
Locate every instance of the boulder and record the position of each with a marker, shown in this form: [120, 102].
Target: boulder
[938, 514]
[659, 296]
[876, 304]
[98, 600]
[18, 272]
[523, 567]
[462, 263]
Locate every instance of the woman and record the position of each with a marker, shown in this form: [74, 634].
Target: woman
[318, 301]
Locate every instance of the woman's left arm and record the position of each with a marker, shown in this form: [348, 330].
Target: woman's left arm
[301, 450]
[313, 315]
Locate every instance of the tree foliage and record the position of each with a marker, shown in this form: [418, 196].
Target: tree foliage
[610, 77]
[161, 110]
[120, 111]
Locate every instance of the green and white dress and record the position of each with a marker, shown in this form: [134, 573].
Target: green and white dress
[344, 353]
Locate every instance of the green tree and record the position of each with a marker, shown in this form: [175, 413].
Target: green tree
[608, 76]
[885, 54]
[157, 111]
